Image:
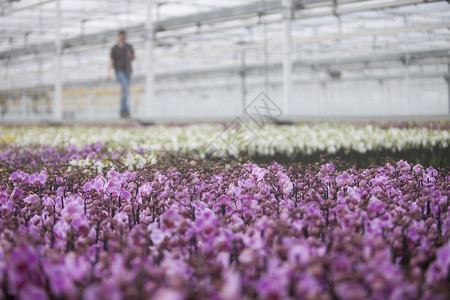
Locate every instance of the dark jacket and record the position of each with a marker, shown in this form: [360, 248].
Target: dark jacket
[121, 57]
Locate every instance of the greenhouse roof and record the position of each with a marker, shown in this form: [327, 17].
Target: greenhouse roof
[191, 36]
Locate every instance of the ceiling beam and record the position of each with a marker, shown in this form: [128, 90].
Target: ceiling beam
[213, 16]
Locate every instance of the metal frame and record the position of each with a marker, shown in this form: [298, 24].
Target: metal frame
[219, 15]
[320, 64]
[57, 99]
[287, 55]
[290, 34]
[149, 75]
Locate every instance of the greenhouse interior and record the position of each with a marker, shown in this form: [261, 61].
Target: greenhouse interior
[226, 150]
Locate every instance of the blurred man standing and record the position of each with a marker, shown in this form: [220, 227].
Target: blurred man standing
[121, 56]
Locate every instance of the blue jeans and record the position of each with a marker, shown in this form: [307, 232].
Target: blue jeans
[124, 79]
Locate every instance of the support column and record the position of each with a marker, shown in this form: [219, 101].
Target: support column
[326, 105]
[448, 86]
[23, 102]
[149, 74]
[287, 57]
[243, 73]
[57, 97]
[265, 49]
[316, 91]
[406, 86]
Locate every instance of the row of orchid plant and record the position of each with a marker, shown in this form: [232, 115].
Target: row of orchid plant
[247, 139]
[96, 223]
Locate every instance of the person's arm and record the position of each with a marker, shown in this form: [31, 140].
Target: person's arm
[132, 57]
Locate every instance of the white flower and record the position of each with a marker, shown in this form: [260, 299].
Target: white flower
[270, 140]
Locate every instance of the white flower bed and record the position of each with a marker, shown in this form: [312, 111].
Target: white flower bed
[272, 139]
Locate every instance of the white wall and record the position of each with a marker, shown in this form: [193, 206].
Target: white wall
[221, 99]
